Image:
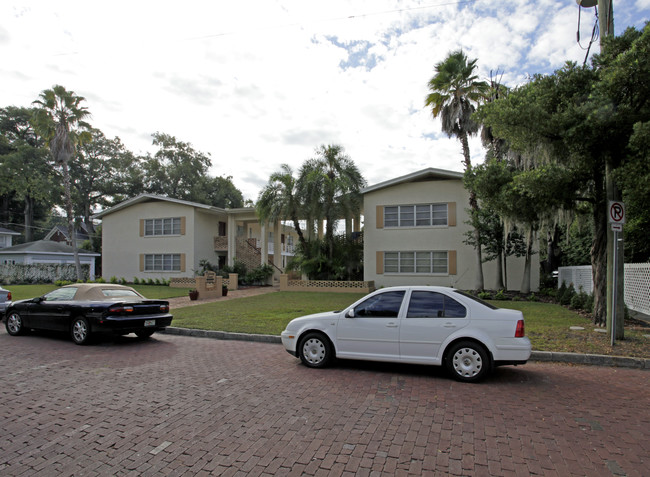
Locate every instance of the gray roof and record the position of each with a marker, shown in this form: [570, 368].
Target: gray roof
[45, 246]
[429, 174]
[153, 198]
[4, 231]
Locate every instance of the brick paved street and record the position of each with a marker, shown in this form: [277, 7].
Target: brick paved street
[179, 405]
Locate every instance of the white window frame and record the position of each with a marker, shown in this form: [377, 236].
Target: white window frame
[162, 262]
[416, 215]
[414, 262]
[167, 226]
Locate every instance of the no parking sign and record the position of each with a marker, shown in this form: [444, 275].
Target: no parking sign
[616, 214]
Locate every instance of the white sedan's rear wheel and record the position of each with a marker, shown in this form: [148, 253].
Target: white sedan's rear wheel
[468, 361]
[315, 350]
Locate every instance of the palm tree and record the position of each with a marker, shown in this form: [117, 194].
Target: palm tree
[278, 200]
[331, 185]
[455, 92]
[59, 119]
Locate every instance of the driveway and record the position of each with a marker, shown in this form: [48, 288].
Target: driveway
[177, 405]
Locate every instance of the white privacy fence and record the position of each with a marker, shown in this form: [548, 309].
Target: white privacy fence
[637, 283]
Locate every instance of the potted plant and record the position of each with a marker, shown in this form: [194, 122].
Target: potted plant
[194, 294]
[224, 290]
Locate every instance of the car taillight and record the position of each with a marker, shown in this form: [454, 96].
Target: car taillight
[164, 308]
[121, 309]
[520, 332]
[9, 296]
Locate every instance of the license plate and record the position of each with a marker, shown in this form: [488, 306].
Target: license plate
[149, 322]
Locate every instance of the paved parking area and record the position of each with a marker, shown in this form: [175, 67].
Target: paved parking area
[177, 405]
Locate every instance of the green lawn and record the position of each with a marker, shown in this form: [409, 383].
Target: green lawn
[262, 314]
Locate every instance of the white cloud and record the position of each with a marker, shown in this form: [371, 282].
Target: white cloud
[257, 84]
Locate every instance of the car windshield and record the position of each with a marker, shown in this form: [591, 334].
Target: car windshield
[476, 299]
[61, 294]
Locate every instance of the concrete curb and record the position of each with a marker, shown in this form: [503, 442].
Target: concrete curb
[591, 359]
[538, 356]
[222, 335]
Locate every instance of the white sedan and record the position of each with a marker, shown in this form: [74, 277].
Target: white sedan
[420, 325]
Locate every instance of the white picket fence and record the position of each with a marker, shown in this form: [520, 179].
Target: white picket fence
[637, 283]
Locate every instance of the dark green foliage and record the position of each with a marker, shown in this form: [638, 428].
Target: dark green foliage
[313, 259]
[564, 296]
[484, 295]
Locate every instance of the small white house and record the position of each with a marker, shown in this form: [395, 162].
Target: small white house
[46, 251]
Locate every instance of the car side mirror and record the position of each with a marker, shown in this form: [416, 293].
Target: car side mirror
[350, 313]
[38, 299]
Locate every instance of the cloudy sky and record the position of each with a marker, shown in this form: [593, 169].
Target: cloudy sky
[259, 83]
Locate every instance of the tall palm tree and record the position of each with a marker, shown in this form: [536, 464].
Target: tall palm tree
[455, 92]
[279, 201]
[59, 119]
[331, 185]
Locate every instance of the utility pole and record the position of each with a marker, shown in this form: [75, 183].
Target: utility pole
[615, 245]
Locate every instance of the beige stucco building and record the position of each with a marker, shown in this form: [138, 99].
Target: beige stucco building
[151, 236]
[414, 228]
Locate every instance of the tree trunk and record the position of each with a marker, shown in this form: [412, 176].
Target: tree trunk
[29, 219]
[473, 203]
[599, 261]
[90, 228]
[505, 271]
[71, 231]
[525, 280]
[500, 270]
[553, 251]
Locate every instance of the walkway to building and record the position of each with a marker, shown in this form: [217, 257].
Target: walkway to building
[183, 301]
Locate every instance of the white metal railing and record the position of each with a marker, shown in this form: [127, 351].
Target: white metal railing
[637, 283]
[286, 249]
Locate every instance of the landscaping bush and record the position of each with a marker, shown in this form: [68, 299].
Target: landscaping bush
[62, 283]
[564, 296]
[485, 295]
[259, 275]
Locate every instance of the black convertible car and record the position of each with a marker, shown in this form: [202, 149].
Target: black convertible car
[84, 309]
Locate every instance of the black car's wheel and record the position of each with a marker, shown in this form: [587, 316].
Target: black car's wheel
[80, 331]
[14, 324]
[144, 334]
[468, 361]
[315, 350]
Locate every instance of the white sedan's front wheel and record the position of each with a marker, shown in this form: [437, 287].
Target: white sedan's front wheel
[468, 361]
[315, 350]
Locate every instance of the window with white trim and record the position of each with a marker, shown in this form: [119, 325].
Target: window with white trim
[423, 215]
[168, 226]
[426, 263]
[162, 262]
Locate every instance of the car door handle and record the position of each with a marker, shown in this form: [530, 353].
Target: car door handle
[449, 325]
[392, 324]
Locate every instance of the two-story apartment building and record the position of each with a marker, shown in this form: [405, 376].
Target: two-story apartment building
[414, 229]
[151, 236]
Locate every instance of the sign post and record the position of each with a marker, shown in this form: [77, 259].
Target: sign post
[616, 219]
